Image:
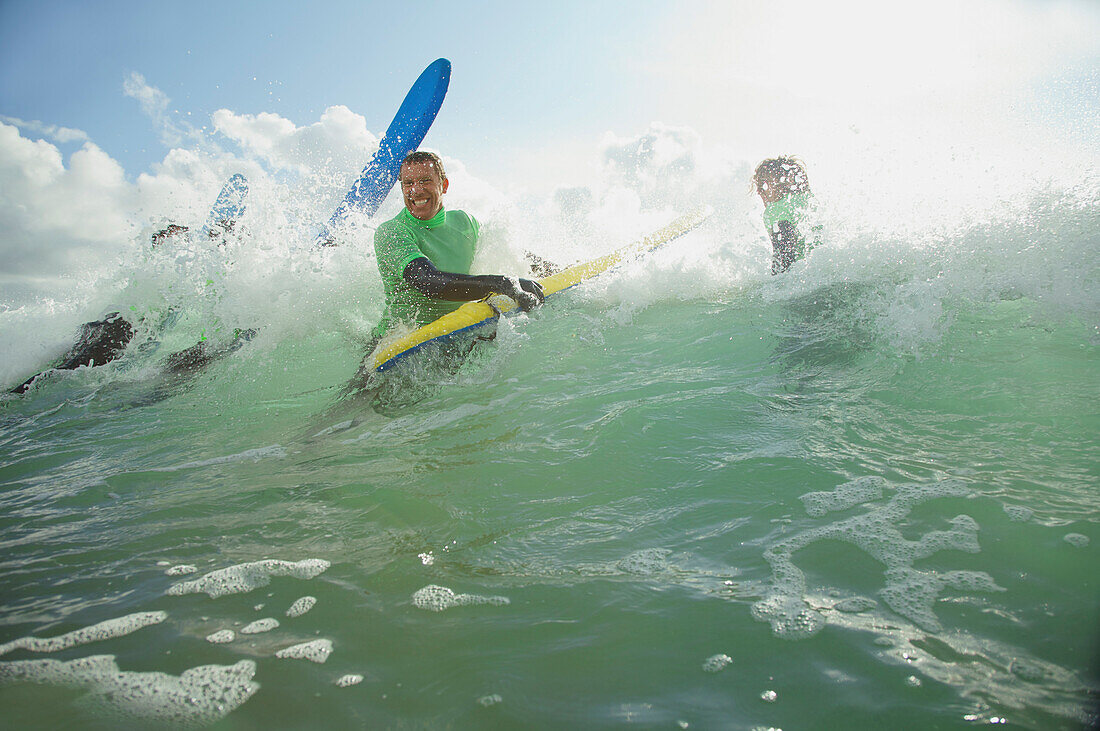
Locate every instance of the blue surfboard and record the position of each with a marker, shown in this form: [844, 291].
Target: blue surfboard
[407, 130]
[228, 207]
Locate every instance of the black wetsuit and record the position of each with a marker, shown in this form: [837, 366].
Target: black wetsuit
[100, 342]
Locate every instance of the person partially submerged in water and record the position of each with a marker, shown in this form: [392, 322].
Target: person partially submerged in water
[425, 254]
[426, 251]
[105, 340]
[784, 187]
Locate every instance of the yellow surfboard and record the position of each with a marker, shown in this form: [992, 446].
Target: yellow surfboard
[472, 317]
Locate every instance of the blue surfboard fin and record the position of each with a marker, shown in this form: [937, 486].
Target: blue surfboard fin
[407, 130]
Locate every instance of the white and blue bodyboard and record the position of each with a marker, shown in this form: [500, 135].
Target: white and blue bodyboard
[229, 206]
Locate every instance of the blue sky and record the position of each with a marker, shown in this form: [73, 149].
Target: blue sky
[521, 71]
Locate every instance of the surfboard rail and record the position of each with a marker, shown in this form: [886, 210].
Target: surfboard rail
[484, 312]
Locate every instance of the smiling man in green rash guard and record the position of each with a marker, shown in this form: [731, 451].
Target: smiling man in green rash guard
[425, 253]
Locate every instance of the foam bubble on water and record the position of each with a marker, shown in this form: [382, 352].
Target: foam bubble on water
[855, 604]
[1019, 513]
[301, 606]
[346, 681]
[848, 495]
[199, 697]
[490, 700]
[1076, 539]
[315, 651]
[437, 598]
[908, 591]
[769, 696]
[260, 625]
[979, 666]
[182, 570]
[646, 561]
[221, 637]
[95, 633]
[912, 593]
[245, 577]
[716, 663]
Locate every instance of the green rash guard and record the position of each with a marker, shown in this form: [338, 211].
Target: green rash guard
[792, 208]
[448, 240]
[782, 218]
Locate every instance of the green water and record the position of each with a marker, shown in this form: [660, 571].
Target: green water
[875, 494]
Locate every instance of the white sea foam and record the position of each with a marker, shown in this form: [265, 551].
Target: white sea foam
[197, 698]
[716, 663]
[301, 606]
[182, 570]
[314, 651]
[437, 598]
[855, 605]
[646, 561]
[848, 495]
[346, 681]
[245, 577]
[95, 633]
[1076, 539]
[260, 625]
[221, 637]
[908, 591]
[992, 667]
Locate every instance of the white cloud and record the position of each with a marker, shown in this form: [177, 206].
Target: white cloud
[338, 143]
[61, 135]
[154, 103]
[48, 211]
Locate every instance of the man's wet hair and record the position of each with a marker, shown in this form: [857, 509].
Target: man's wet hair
[168, 232]
[787, 169]
[420, 156]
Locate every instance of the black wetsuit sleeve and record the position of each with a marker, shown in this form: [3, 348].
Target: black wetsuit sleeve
[425, 278]
[787, 246]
